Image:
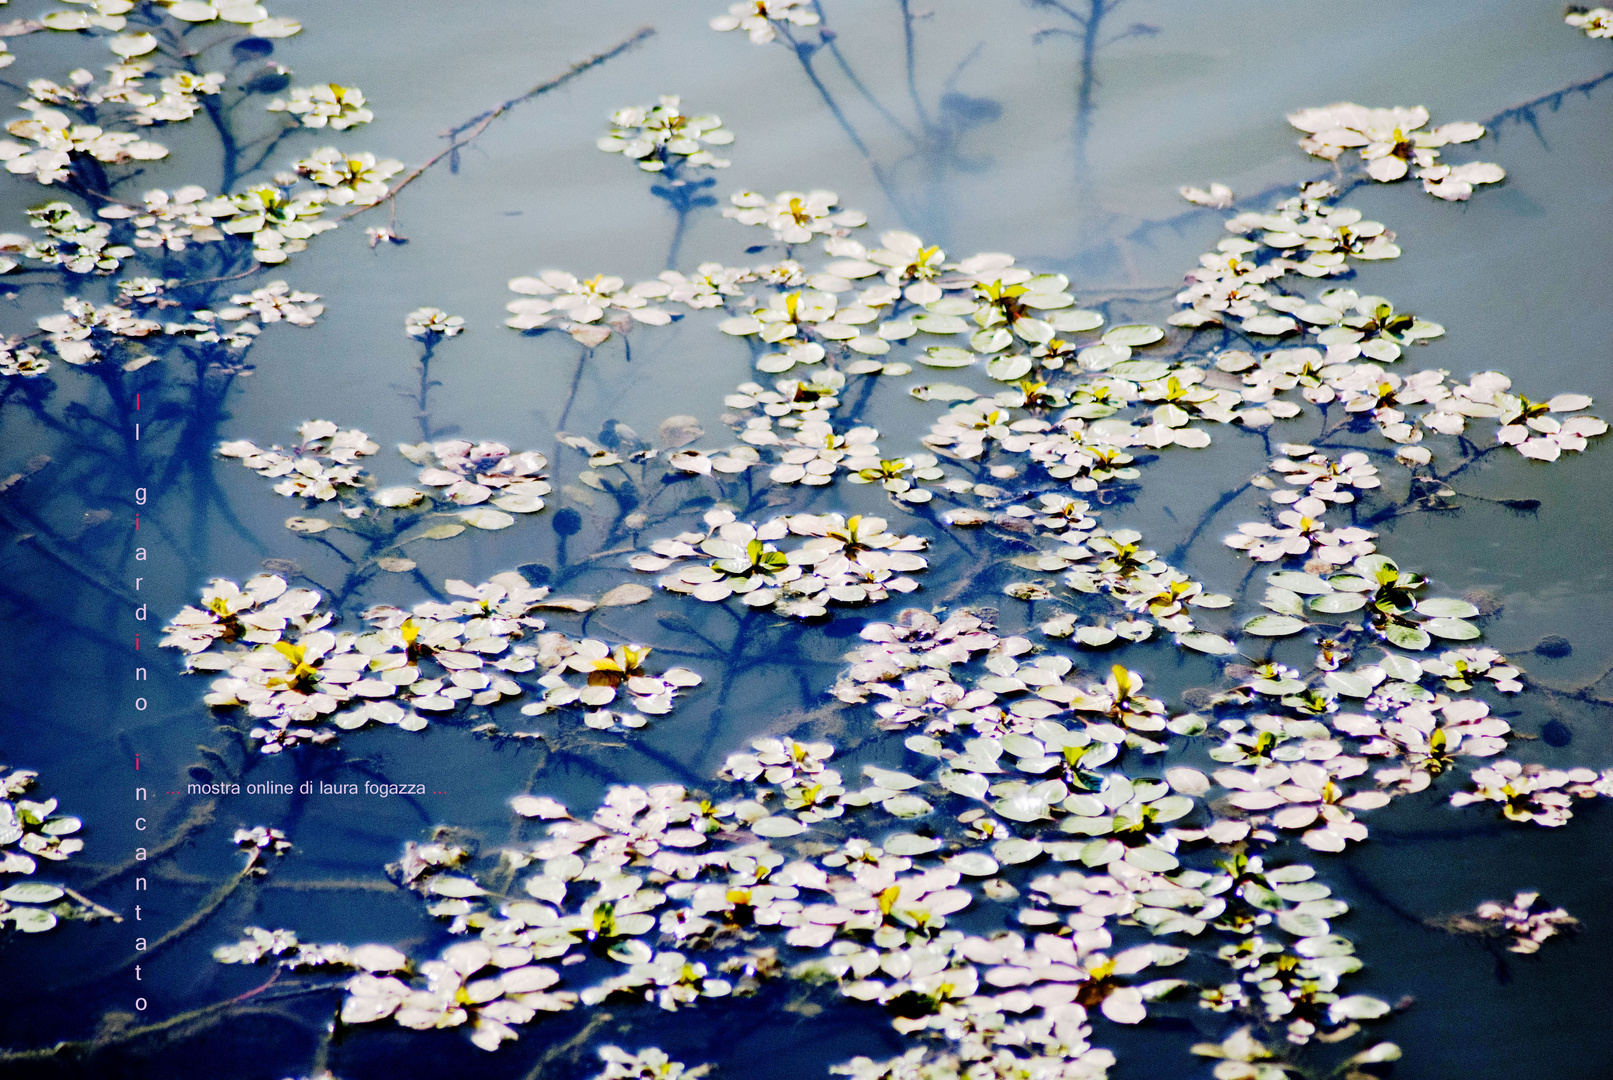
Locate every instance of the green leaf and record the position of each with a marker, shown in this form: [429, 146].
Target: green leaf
[1187, 724]
[1451, 629]
[1261, 897]
[1152, 858]
[906, 806]
[1009, 368]
[1369, 566]
[973, 864]
[446, 531]
[909, 844]
[1274, 625]
[1444, 607]
[780, 825]
[1172, 807]
[1283, 602]
[31, 920]
[1400, 667]
[947, 356]
[1294, 581]
[940, 324]
[31, 892]
[484, 518]
[1349, 683]
[1205, 642]
[1384, 1051]
[1140, 370]
[1014, 851]
[990, 341]
[969, 785]
[1338, 603]
[1301, 925]
[1101, 852]
[926, 745]
[1407, 637]
[1358, 1007]
[1033, 330]
[1076, 321]
[1133, 335]
[943, 392]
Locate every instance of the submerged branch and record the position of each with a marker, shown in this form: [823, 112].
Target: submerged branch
[476, 125]
[570, 1046]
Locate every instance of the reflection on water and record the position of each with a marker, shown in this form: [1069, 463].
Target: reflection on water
[645, 523]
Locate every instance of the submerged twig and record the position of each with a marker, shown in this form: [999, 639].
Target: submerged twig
[478, 124]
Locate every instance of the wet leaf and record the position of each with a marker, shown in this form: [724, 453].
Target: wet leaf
[1205, 642]
[946, 356]
[483, 518]
[31, 892]
[625, 595]
[1274, 625]
[1134, 335]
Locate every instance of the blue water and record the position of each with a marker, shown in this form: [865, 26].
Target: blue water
[1193, 93]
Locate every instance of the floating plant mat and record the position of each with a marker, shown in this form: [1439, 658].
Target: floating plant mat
[816, 540]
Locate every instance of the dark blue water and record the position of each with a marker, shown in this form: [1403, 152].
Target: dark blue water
[989, 145]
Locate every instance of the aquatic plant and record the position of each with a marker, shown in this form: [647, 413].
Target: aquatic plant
[1119, 855]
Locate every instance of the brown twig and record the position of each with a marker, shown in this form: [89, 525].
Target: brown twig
[200, 817]
[101, 912]
[570, 1046]
[477, 125]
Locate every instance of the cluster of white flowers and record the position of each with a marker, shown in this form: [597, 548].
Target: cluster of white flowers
[842, 561]
[327, 105]
[289, 671]
[652, 136]
[31, 830]
[758, 18]
[1594, 22]
[1392, 144]
[427, 321]
[578, 305]
[353, 179]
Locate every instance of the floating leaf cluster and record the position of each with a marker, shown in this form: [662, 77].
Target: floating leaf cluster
[300, 681]
[31, 830]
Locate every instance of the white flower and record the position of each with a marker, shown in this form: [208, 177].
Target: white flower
[357, 179]
[793, 216]
[1596, 23]
[708, 285]
[757, 17]
[173, 221]
[74, 335]
[339, 107]
[580, 304]
[651, 1063]
[1219, 197]
[21, 360]
[244, 12]
[1391, 144]
[474, 473]
[281, 224]
[275, 302]
[423, 322]
[58, 138]
[650, 135]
